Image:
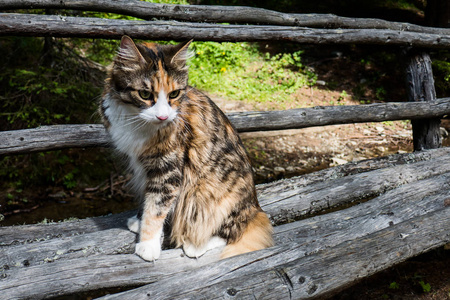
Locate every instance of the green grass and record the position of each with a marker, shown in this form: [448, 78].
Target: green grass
[238, 71]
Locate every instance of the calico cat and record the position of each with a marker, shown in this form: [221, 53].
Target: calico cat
[189, 165]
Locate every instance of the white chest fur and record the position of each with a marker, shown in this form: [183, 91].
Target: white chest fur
[129, 133]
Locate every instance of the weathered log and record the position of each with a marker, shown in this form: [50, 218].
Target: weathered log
[15, 235]
[218, 14]
[332, 115]
[103, 271]
[53, 138]
[420, 88]
[278, 273]
[390, 208]
[289, 202]
[89, 267]
[60, 26]
[146, 11]
[64, 136]
[43, 232]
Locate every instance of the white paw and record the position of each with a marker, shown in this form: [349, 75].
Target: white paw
[191, 251]
[133, 224]
[194, 252]
[216, 242]
[149, 250]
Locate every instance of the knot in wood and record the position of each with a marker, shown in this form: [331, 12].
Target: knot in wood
[232, 292]
[312, 289]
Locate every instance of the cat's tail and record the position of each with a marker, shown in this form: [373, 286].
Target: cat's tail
[257, 236]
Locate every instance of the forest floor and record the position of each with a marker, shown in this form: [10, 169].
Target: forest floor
[282, 154]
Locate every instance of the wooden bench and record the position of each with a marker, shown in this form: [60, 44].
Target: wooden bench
[332, 227]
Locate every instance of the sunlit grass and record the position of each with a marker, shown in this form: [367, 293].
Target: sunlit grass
[239, 71]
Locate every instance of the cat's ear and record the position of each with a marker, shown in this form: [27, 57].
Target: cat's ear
[128, 52]
[182, 54]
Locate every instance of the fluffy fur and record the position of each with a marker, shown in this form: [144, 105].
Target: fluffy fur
[189, 165]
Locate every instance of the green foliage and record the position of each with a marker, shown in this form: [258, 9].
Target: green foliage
[441, 71]
[37, 85]
[426, 287]
[98, 50]
[31, 84]
[394, 286]
[43, 82]
[240, 72]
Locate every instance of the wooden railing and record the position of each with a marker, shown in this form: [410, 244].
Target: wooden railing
[54, 137]
[284, 27]
[408, 212]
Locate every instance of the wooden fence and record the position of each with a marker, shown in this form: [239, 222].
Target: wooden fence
[314, 257]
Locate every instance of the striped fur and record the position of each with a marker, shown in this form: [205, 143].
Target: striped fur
[189, 165]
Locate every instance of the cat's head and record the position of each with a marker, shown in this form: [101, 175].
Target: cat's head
[150, 79]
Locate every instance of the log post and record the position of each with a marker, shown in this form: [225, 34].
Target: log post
[420, 87]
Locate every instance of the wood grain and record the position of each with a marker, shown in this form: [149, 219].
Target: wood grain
[217, 14]
[279, 272]
[420, 88]
[62, 26]
[96, 253]
[16, 235]
[54, 137]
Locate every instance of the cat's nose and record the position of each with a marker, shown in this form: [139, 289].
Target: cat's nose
[162, 118]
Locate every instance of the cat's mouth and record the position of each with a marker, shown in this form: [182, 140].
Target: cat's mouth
[162, 118]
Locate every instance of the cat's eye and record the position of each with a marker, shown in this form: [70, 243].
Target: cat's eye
[174, 94]
[145, 95]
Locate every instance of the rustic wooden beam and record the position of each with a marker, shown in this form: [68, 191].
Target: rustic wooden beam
[279, 273]
[61, 26]
[15, 235]
[217, 14]
[285, 272]
[395, 206]
[332, 115]
[54, 137]
[91, 261]
[146, 11]
[420, 88]
[288, 201]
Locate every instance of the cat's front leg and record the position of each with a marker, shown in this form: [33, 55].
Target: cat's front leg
[155, 209]
[150, 230]
[150, 249]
